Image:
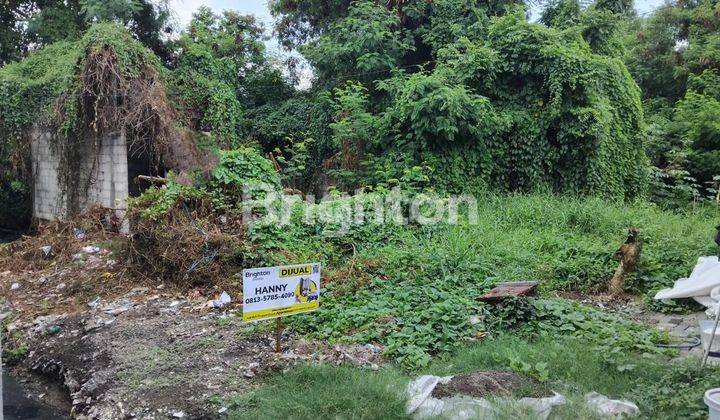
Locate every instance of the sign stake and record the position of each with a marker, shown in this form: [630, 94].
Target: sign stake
[278, 327]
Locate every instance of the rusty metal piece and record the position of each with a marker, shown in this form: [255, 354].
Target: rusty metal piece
[504, 290]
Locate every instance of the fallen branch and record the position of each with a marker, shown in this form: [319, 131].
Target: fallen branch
[152, 179]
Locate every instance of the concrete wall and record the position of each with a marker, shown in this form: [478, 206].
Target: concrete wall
[108, 177]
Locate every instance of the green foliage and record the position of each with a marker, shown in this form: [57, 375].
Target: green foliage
[243, 167]
[365, 44]
[27, 25]
[217, 52]
[297, 131]
[561, 14]
[610, 334]
[418, 301]
[660, 388]
[674, 57]
[157, 203]
[332, 392]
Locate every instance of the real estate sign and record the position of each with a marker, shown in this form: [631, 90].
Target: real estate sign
[272, 292]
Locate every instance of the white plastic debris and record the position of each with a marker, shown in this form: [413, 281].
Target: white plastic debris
[79, 234]
[95, 303]
[46, 250]
[223, 300]
[543, 406]
[91, 249]
[422, 405]
[605, 407]
[420, 389]
[15, 286]
[456, 408]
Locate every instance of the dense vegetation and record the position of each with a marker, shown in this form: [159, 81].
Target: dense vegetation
[470, 95]
[567, 131]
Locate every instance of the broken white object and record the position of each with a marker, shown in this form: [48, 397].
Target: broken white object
[543, 406]
[91, 249]
[46, 250]
[712, 400]
[222, 301]
[456, 408]
[605, 407]
[420, 389]
[15, 286]
[704, 277]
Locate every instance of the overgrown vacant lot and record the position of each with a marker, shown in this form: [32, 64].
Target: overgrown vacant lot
[413, 289]
[410, 291]
[570, 367]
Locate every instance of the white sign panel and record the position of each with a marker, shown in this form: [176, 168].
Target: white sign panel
[271, 292]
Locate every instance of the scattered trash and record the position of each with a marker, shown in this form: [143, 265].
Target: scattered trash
[373, 348]
[52, 330]
[456, 408]
[178, 414]
[118, 307]
[474, 320]
[43, 323]
[605, 407]
[95, 303]
[15, 286]
[424, 403]
[543, 406]
[79, 234]
[420, 390]
[222, 410]
[91, 249]
[46, 250]
[223, 300]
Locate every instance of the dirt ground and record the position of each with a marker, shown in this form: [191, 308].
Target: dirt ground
[121, 350]
[488, 383]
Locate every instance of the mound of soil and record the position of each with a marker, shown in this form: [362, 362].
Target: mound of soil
[486, 383]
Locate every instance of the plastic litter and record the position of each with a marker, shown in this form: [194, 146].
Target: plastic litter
[46, 250]
[605, 407]
[543, 406]
[79, 233]
[704, 277]
[223, 300]
[422, 405]
[420, 389]
[91, 249]
[15, 286]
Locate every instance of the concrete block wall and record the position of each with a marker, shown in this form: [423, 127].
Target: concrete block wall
[108, 177]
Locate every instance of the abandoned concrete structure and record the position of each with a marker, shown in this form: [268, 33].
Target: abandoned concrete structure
[109, 183]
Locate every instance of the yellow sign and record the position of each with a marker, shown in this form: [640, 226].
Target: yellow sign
[272, 292]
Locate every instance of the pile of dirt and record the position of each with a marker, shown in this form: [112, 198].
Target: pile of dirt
[489, 383]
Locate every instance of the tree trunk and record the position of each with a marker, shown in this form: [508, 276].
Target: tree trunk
[628, 255]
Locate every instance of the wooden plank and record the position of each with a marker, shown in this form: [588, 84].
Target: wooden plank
[504, 290]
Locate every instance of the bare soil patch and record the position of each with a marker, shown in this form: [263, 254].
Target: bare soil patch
[490, 383]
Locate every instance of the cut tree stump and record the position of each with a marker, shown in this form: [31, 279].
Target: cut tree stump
[628, 254]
